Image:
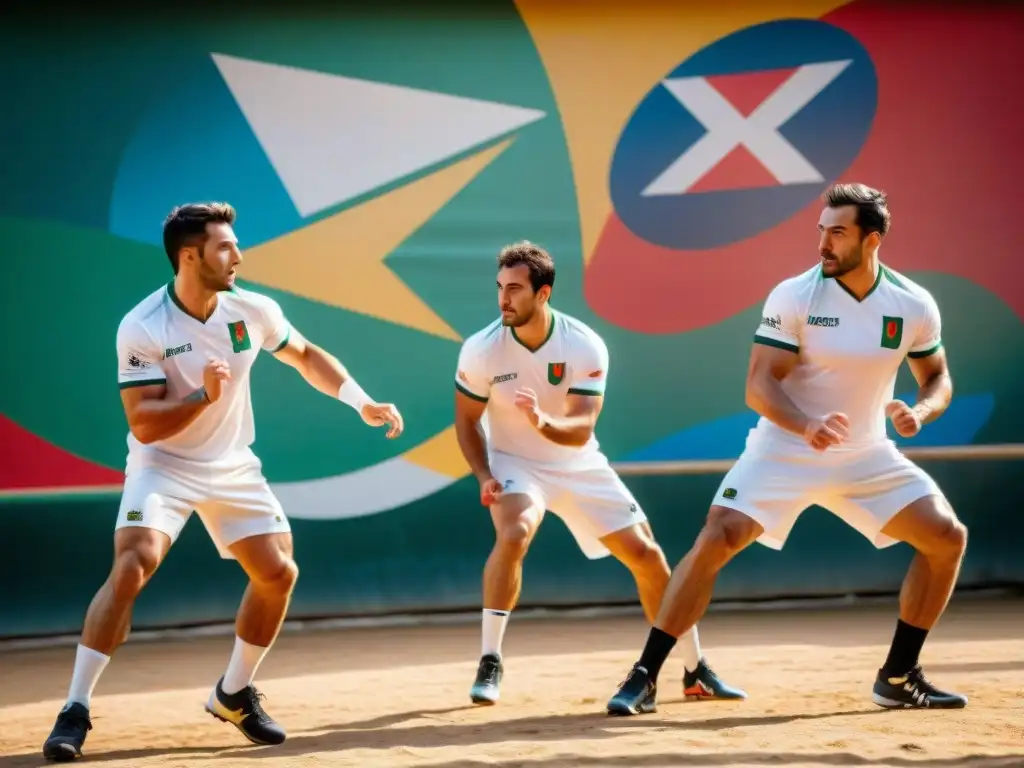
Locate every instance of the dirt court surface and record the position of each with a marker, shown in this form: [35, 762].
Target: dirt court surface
[399, 697]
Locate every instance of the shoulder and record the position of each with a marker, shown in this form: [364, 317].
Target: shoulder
[799, 288]
[251, 301]
[138, 324]
[485, 339]
[919, 296]
[581, 336]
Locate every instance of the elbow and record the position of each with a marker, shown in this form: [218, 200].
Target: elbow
[582, 437]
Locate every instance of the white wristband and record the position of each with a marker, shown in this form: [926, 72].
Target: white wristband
[352, 394]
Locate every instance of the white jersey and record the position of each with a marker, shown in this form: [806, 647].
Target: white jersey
[850, 351]
[493, 364]
[158, 342]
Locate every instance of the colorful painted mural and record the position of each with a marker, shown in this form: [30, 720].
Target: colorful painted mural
[671, 158]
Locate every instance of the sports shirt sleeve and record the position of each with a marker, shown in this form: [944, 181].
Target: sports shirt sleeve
[274, 327]
[928, 339]
[779, 320]
[589, 373]
[139, 361]
[471, 374]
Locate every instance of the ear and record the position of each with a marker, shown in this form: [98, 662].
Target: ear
[188, 254]
[873, 240]
[544, 293]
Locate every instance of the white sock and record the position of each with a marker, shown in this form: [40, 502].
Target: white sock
[493, 631]
[689, 646]
[89, 665]
[245, 660]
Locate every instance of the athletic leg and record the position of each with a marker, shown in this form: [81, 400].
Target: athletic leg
[636, 548]
[931, 527]
[148, 523]
[888, 499]
[267, 560]
[760, 498]
[516, 518]
[246, 522]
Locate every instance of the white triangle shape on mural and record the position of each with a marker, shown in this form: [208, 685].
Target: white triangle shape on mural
[332, 138]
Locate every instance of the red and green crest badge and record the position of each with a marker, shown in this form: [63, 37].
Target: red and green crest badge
[239, 336]
[556, 372]
[892, 332]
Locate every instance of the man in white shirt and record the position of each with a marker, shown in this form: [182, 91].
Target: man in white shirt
[822, 376]
[184, 359]
[535, 381]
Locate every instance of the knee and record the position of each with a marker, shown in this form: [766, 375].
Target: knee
[278, 577]
[726, 533]
[513, 539]
[951, 539]
[132, 569]
[643, 555]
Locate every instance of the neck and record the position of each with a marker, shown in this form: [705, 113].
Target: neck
[535, 332]
[193, 297]
[861, 280]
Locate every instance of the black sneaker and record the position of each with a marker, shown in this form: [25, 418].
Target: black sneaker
[486, 687]
[244, 711]
[68, 735]
[913, 691]
[635, 696]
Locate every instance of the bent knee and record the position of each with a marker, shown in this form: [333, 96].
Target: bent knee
[514, 537]
[726, 533]
[933, 529]
[132, 569]
[279, 577]
[950, 538]
[640, 553]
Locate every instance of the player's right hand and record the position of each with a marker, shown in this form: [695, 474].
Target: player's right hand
[829, 431]
[490, 491]
[215, 374]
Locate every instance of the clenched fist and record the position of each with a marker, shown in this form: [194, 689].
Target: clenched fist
[905, 420]
[829, 431]
[215, 374]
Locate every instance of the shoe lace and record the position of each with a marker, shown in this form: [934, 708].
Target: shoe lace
[488, 671]
[72, 720]
[255, 698]
[705, 671]
[635, 680]
[919, 682]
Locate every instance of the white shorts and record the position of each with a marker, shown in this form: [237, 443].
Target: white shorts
[233, 504]
[773, 482]
[592, 501]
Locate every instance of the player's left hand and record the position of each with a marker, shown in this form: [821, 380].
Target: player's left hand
[379, 414]
[905, 420]
[526, 401]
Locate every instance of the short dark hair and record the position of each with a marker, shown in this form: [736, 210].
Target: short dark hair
[872, 206]
[536, 259]
[186, 226]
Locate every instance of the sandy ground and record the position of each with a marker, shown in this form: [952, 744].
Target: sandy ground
[398, 697]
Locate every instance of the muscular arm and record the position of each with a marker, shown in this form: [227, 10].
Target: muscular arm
[321, 370]
[468, 412]
[768, 367]
[153, 416]
[935, 385]
[577, 425]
